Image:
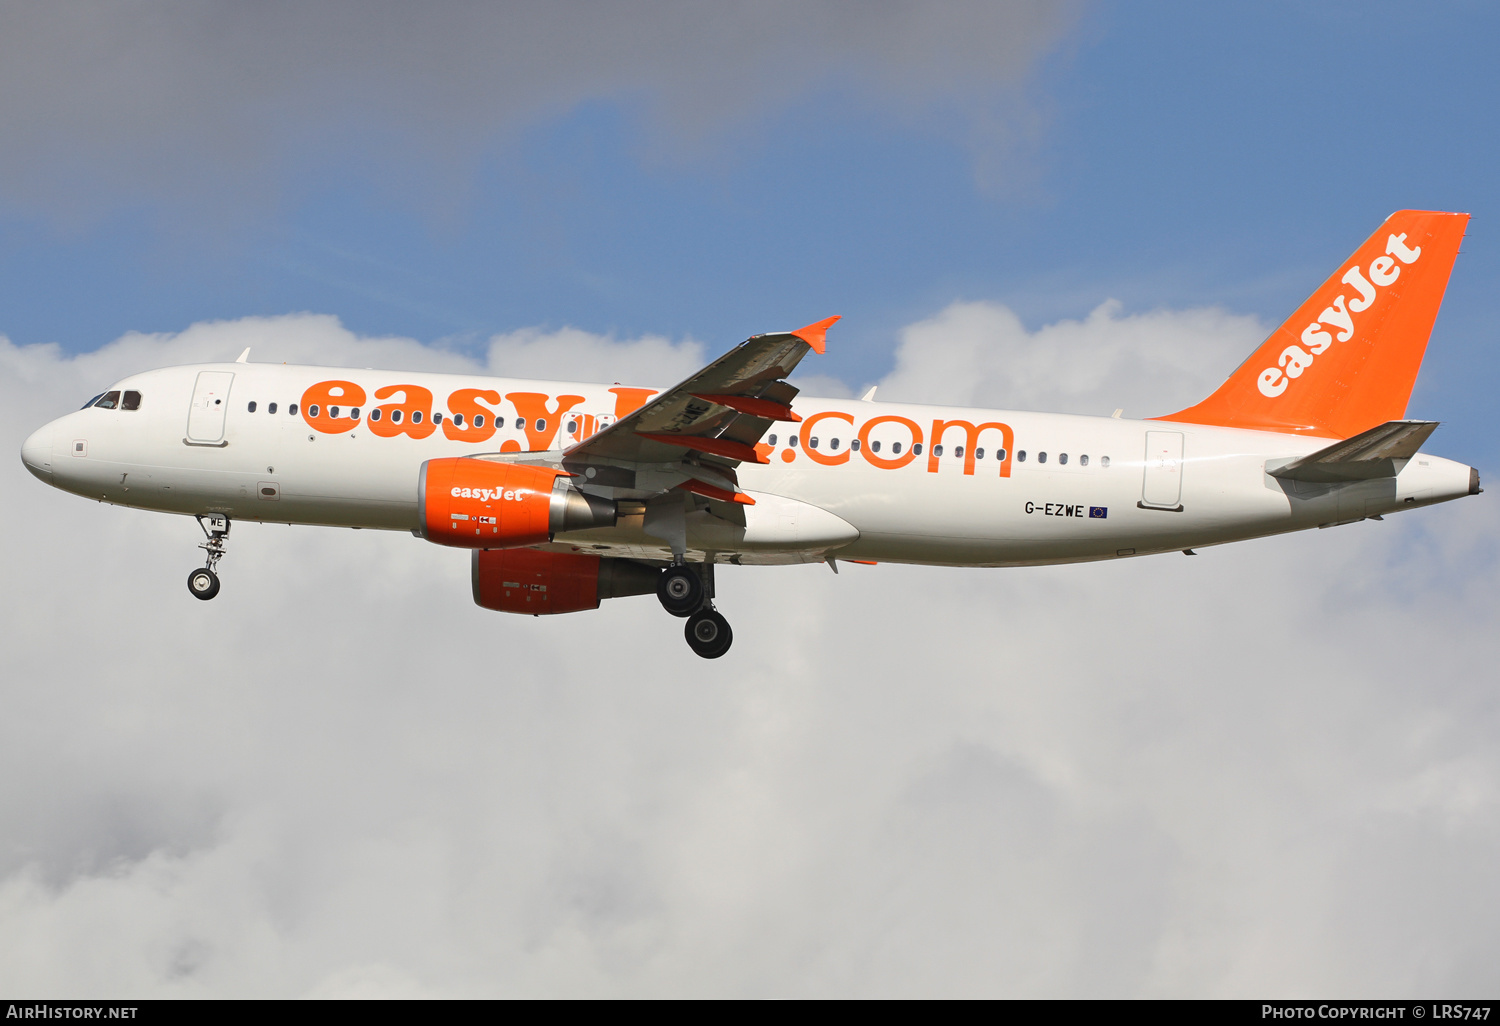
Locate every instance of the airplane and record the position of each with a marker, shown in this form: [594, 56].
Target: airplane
[569, 493]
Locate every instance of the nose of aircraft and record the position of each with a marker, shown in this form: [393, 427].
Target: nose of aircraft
[36, 453]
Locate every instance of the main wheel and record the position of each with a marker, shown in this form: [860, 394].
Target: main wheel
[680, 591]
[708, 634]
[203, 583]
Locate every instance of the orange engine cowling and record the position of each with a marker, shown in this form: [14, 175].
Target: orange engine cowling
[476, 504]
[528, 581]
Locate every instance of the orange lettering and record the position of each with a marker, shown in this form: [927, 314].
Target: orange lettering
[415, 412]
[971, 439]
[812, 453]
[628, 400]
[532, 406]
[464, 403]
[341, 393]
[899, 461]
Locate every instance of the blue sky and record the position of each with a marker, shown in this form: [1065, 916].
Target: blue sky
[1160, 154]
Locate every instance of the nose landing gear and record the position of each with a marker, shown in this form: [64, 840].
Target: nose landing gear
[688, 591]
[203, 582]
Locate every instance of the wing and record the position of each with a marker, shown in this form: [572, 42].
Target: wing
[701, 429]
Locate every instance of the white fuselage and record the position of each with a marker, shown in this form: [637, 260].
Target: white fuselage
[1088, 487]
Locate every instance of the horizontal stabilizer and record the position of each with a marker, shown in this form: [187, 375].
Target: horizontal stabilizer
[1369, 454]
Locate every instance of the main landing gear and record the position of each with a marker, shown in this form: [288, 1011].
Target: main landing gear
[203, 582]
[687, 591]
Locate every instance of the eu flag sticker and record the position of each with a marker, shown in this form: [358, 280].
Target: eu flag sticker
[1098, 512]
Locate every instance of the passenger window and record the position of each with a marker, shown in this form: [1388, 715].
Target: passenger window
[108, 401]
[354, 413]
[520, 424]
[1103, 461]
[812, 443]
[131, 401]
[271, 408]
[333, 411]
[917, 448]
[395, 416]
[854, 445]
[791, 440]
[541, 424]
[1000, 455]
[1083, 460]
[251, 407]
[1041, 457]
[834, 444]
[479, 420]
[437, 418]
[979, 454]
[958, 452]
[1063, 459]
[292, 410]
[375, 413]
[458, 420]
[416, 416]
[1021, 456]
[572, 427]
[937, 450]
[874, 446]
[312, 411]
[896, 448]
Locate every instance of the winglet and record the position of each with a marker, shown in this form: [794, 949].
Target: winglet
[814, 334]
[245, 356]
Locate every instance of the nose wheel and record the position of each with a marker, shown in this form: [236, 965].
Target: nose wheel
[204, 582]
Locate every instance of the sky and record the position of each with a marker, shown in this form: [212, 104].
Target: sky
[1267, 770]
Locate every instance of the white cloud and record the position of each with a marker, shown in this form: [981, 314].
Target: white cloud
[1147, 363]
[1266, 770]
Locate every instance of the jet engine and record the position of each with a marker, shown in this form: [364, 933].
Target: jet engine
[480, 504]
[528, 581]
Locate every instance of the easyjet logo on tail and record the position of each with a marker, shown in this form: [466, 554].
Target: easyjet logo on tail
[1338, 316]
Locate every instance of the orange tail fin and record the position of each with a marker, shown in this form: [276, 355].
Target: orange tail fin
[1347, 359]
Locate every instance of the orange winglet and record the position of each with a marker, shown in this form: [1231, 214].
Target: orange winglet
[726, 447]
[814, 334]
[754, 407]
[862, 562]
[722, 494]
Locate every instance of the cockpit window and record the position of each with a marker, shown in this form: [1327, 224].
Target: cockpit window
[131, 400]
[92, 401]
[108, 401]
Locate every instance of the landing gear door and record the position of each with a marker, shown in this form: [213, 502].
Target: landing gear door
[210, 404]
[1162, 488]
